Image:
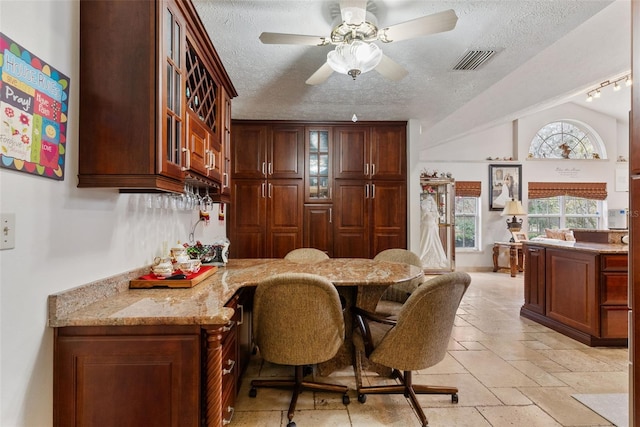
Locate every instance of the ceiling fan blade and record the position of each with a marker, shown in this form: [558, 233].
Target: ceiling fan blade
[391, 69]
[320, 75]
[353, 12]
[430, 24]
[279, 38]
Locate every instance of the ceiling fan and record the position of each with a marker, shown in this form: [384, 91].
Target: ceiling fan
[354, 36]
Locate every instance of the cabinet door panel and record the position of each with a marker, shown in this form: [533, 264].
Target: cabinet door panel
[247, 227]
[318, 228]
[351, 152]
[388, 215]
[351, 219]
[286, 152]
[249, 151]
[284, 216]
[388, 152]
[198, 145]
[572, 296]
[534, 280]
[128, 380]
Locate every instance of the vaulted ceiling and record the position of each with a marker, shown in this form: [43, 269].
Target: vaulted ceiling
[549, 52]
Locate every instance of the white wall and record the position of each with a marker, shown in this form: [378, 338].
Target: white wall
[466, 159]
[65, 236]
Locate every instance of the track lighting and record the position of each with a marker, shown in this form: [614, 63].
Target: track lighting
[597, 92]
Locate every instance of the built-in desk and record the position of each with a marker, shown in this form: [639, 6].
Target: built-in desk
[162, 356]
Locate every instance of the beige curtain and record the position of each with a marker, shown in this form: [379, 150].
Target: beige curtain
[587, 190]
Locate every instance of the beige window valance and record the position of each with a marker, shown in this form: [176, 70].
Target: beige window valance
[468, 188]
[587, 190]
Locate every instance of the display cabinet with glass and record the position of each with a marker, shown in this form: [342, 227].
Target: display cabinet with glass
[437, 224]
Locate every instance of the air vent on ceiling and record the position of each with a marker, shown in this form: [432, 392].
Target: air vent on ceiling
[473, 59]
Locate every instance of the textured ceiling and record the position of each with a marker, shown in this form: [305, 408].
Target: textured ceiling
[549, 50]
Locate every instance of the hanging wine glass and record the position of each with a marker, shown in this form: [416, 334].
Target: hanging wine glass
[207, 201]
[197, 199]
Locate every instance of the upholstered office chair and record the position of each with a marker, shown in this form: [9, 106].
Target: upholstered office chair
[417, 340]
[395, 295]
[297, 320]
[306, 255]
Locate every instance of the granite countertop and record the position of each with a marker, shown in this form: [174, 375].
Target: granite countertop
[605, 248]
[110, 302]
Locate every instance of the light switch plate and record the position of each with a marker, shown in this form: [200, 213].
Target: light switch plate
[7, 231]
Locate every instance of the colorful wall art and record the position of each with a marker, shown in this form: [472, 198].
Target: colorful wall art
[33, 112]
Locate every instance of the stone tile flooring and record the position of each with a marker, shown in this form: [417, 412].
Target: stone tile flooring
[510, 371]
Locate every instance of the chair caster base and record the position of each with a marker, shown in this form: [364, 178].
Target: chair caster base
[345, 399]
[291, 424]
[253, 392]
[454, 398]
[362, 398]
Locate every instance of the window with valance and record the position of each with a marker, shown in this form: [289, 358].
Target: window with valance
[565, 205]
[586, 190]
[468, 214]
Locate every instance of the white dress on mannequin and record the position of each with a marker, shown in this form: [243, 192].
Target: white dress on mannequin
[432, 253]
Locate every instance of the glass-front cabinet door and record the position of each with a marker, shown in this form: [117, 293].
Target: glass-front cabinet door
[318, 159]
[437, 224]
[173, 76]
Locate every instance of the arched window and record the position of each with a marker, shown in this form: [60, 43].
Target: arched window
[566, 139]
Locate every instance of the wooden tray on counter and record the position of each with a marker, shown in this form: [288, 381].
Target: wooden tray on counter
[151, 281]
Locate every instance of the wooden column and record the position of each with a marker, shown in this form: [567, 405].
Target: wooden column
[213, 376]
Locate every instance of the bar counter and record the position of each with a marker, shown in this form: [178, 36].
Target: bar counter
[110, 302]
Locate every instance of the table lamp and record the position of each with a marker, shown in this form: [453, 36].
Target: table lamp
[513, 208]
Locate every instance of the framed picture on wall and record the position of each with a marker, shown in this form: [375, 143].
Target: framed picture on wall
[504, 185]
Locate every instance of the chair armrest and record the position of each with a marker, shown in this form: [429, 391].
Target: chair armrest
[361, 319]
[375, 317]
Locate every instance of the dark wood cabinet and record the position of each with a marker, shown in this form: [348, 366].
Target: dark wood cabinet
[388, 215]
[318, 227]
[353, 180]
[370, 152]
[135, 92]
[266, 151]
[266, 217]
[571, 292]
[581, 293]
[534, 280]
[351, 219]
[127, 376]
[268, 193]
[370, 216]
[152, 375]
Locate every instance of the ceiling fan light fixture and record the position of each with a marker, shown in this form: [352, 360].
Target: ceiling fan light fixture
[354, 58]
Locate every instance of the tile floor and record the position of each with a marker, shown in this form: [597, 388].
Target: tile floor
[510, 371]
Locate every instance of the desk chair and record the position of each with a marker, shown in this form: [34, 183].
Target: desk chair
[306, 255]
[297, 320]
[417, 340]
[395, 295]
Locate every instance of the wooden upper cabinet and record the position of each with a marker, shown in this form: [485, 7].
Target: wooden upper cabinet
[225, 169]
[388, 152]
[370, 152]
[351, 152]
[267, 151]
[285, 152]
[134, 73]
[249, 151]
[198, 145]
